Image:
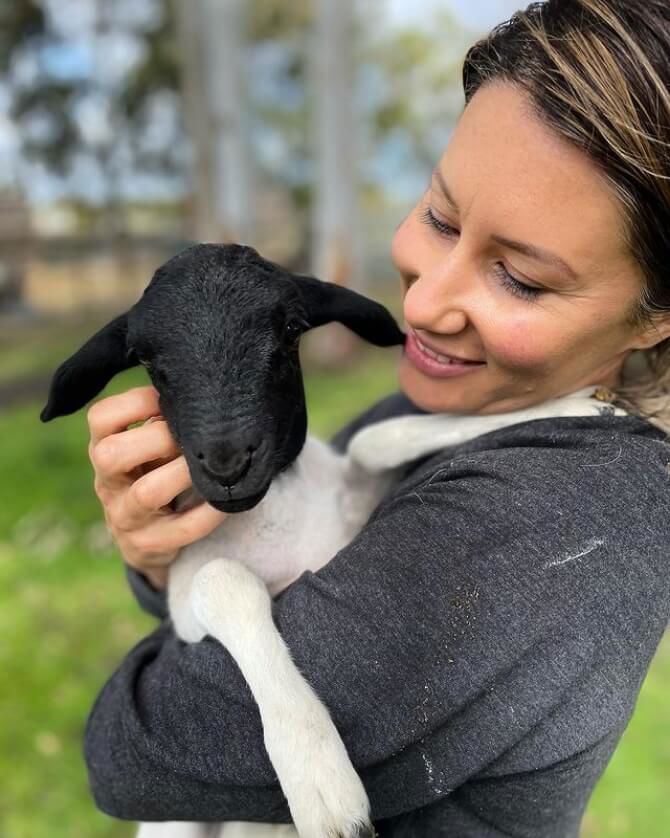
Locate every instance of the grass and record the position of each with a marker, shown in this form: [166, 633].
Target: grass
[67, 619]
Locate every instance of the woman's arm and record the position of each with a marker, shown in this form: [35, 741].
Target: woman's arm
[438, 640]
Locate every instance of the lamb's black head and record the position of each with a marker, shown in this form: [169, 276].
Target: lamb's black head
[218, 330]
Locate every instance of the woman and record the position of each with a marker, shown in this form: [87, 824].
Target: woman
[482, 642]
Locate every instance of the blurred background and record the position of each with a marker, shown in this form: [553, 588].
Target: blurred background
[129, 128]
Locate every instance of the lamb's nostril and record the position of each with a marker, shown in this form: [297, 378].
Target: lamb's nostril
[227, 468]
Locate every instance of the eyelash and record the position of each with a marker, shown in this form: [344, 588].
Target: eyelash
[520, 289]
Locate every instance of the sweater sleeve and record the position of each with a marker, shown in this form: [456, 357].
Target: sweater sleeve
[439, 639]
[150, 599]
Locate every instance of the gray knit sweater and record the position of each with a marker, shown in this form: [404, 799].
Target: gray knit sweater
[480, 646]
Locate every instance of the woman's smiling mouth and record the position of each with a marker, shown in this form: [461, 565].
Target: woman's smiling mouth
[434, 363]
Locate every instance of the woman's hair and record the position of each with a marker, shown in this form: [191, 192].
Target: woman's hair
[598, 73]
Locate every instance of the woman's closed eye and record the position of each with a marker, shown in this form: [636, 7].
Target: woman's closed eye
[511, 283]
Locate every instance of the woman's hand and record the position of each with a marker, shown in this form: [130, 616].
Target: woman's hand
[138, 472]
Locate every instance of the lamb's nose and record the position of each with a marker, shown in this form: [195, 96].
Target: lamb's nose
[227, 461]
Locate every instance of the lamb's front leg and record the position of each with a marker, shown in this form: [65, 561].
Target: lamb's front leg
[325, 795]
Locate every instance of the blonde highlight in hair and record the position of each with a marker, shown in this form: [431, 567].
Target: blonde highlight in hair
[597, 72]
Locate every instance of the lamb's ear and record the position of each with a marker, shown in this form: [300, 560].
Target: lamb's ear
[85, 373]
[326, 301]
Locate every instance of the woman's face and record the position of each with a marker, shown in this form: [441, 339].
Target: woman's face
[515, 258]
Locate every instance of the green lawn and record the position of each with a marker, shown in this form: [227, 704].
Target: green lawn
[66, 620]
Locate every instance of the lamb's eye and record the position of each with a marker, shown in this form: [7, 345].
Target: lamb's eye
[292, 332]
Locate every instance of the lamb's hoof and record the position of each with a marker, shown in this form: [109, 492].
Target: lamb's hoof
[352, 831]
[364, 831]
[331, 802]
[331, 824]
[326, 796]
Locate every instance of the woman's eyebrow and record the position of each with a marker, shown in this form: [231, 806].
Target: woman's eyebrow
[530, 250]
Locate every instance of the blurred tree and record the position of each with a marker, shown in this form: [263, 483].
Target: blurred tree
[24, 30]
[97, 95]
[417, 72]
[19, 21]
[336, 254]
[213, 37]
[274, 20]
[88, 82]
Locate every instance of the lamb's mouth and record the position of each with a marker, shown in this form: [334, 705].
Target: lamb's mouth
[238, 504]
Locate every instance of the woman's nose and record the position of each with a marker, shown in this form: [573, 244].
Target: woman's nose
[438, 301]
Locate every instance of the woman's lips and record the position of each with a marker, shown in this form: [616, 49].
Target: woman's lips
[435, 363]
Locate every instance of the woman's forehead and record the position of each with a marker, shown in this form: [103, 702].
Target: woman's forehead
[513, 174]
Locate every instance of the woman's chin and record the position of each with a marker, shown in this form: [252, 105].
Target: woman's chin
[436, 395]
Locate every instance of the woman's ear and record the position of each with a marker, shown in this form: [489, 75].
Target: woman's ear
[326, 301]
[86, 373]
[652, 333]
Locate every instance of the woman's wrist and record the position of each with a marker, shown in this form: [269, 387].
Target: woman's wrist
[156, 578]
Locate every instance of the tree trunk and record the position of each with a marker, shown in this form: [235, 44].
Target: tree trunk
[212, 37]
[336, 245]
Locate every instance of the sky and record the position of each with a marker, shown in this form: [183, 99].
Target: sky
[477, 14]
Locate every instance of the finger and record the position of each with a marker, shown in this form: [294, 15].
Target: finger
[115, 413]
[117, 457]
[152, 493]
[158, 542]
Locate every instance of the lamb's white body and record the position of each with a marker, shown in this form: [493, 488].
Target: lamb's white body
[222, 586]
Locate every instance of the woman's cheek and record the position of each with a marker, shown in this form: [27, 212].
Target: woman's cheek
[519, 347]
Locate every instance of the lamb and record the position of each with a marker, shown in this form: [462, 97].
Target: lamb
[218, 330]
